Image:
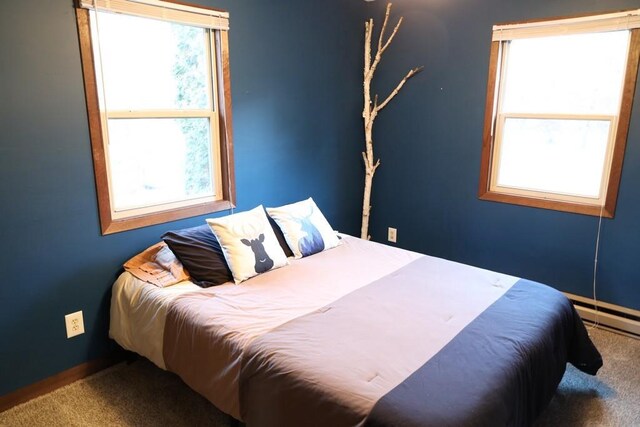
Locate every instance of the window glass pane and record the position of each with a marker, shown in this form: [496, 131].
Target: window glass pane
[157, 161]
[574, 74]
[151, 64]
[555, 156]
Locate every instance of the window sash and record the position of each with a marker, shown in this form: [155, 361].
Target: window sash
[214, 153]
[505, 48]
[148, 208]
[553, 195]
[212, 77]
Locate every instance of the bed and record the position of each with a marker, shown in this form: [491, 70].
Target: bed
[361, 334]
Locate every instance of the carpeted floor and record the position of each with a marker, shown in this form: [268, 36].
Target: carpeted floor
[611, 398]
[139, 394]
[136, 394]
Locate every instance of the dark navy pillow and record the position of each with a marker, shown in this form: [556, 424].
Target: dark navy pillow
[200, 254]
[280, 236]
[198, 250]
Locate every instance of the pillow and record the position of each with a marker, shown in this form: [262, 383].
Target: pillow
[248, 242]
[304, 227]
[200, 253]
[157, 265]
[281, 240]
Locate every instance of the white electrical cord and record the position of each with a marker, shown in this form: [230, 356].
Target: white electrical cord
[596, 322]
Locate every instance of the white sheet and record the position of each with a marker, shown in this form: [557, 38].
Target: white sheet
[138, 311]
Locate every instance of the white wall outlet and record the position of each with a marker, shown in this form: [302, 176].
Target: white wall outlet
[75, 324]
[392, 234]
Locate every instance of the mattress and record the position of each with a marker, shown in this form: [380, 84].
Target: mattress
[361, 334]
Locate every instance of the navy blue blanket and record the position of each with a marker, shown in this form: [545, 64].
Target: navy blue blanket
[501, 370]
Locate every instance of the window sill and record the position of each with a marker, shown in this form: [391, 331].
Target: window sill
[578, 208]
[110, 226]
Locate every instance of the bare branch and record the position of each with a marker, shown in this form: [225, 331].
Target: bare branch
[379, 53]
[381, 47]
[410, 74]
[384, 26]
[366, 111]
[393, 34]
[368, 30]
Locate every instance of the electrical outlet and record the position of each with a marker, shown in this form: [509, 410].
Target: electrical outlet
[392, 234]
[75, 324]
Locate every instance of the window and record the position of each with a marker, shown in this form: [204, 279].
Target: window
[159, 104]
[557, 114]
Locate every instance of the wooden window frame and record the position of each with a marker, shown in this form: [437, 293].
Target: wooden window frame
[108, 222]
[614, 169]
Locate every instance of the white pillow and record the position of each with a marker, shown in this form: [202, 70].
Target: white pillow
[304, 227]
[248, 243]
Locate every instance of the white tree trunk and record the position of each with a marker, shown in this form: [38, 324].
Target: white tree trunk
[371, 109]
[366, 206]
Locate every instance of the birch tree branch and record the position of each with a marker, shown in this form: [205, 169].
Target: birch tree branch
[371, 107]
[368, 29]
[382, 47]
[384, 26]
[393, 34]
[410, 74]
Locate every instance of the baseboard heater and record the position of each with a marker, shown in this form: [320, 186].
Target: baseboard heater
[617, 318]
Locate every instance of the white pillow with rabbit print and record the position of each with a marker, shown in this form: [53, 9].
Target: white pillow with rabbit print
[305, 229]
[248, 243]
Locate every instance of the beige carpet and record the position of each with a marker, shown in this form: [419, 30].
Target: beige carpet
[136, 394]
[611, 398]
[139, 394]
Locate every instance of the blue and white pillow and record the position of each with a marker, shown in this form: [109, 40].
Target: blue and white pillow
[248, 243]
[305, 229]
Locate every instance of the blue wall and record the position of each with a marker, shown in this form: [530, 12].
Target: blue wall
[296, 92]
[429, 139]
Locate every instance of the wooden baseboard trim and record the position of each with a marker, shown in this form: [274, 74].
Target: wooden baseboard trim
[55, 382]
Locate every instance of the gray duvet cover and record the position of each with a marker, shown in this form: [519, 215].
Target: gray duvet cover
[334, 367]
[429, 343]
